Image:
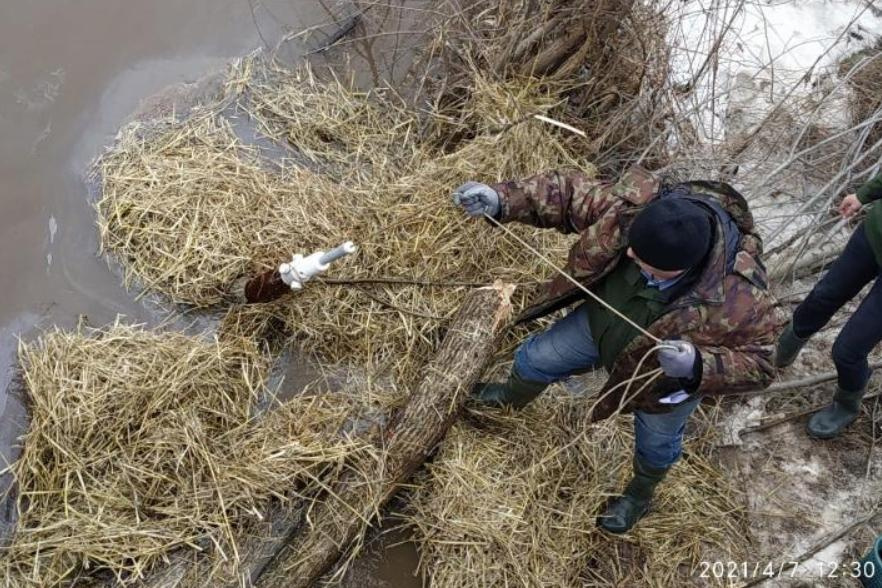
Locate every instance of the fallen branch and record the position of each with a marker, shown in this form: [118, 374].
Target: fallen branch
[415, 430]
[804, 382]
[805, 265]
[345, 29]
[794, 415]
[820, 545]
[405, 281]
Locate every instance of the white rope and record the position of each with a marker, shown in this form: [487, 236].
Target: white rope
[578, 284]
[650, 376]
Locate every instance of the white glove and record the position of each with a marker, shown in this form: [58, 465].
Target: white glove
[477, 199]
[679, 363]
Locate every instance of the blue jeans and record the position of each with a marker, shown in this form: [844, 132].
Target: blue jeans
[568, 348]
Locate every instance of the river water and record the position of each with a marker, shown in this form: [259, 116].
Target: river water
[71, 72]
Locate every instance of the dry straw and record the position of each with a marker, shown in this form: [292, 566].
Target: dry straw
[189, 209]
[141, 442]
[512, 499]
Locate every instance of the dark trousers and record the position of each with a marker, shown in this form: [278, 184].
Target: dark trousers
[854, 269]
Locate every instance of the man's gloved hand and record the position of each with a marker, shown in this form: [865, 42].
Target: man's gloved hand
[679, 363]
[477, 199]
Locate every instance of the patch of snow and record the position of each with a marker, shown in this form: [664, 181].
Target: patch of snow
[769, 50]
[760, 74]
[739, 417]
[798, 467]
[825, 560]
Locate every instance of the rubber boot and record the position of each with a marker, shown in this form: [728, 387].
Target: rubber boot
[831, 420]
[623, 513]
[516, 392]
[789, 346]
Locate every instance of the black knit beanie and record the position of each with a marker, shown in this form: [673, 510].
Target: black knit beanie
[671, 234]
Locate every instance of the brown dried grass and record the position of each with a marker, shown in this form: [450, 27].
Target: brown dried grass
[189, 209]
[511, 499]
[607, 60]
[141, 442]
[865, 98]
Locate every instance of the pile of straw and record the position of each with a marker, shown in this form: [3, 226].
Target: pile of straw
[189, 209]
[141, 442]
[511, 499]
[607, 60]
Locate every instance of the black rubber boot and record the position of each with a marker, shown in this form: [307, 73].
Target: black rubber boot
[830, 421]
[516, 392]
[789, 346]
[623, 513]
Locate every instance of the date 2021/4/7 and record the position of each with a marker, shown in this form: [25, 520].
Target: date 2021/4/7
[746, 570]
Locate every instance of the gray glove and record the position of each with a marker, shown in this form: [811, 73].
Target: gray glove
[679, 363]
[477, 199]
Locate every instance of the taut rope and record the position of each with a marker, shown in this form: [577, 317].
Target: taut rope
[650, 376]
[578, 284]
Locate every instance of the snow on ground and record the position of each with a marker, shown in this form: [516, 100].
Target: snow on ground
[799, 492]
[761, 91]
[778, 58]
[777, 46]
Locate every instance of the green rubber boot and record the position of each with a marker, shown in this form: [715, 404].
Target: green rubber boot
[516, 392]
[623, 513]
[831, 420]
[789, 346]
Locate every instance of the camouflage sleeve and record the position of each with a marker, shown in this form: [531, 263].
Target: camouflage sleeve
[569, 201]
[738, 346]
[870, 191]
[727, 370]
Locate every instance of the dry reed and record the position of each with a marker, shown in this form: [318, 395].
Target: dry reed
[189, 209]
[861, 70]
[511, 499]
[141, 442]
[608, 61]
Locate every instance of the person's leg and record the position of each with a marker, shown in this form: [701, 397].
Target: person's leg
[856, 340]
[658, 438]
[851, 271]
[564, 349]
[858, 337]
[658, 444]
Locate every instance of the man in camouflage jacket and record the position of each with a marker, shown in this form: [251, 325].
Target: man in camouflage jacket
[683, 262]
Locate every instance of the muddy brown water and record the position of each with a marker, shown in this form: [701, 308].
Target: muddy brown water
[71, 72]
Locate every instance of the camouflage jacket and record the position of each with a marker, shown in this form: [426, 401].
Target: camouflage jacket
[728, 313]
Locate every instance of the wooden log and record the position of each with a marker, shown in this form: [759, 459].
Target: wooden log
[264, 543]
[257, 547]
[416, 429]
